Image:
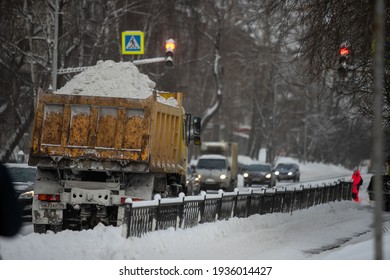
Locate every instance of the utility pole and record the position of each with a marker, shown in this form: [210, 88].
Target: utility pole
[378, 134]
[55, 47]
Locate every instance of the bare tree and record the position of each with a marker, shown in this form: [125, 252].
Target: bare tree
[268, 65]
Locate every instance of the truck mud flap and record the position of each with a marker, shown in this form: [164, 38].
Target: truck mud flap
[140, 186]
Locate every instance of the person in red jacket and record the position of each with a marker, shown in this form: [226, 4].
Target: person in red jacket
[356, 182]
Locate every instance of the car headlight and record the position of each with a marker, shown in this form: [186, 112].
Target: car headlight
[222, 177]
[268, 176]
[26, 195]
[276, 172]
[246, 174]
[289, 173]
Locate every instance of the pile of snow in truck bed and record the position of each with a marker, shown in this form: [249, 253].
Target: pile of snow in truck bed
[113, 79]
[109, 78]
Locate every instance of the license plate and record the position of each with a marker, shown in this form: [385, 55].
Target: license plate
[82, 196]
[52, 205]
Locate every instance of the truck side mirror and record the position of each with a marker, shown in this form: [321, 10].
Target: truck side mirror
[196, 126]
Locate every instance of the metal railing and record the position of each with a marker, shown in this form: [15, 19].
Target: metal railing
[189, 211]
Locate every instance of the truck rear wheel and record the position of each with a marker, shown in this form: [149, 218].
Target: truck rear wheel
[56, 228]
[39, 228]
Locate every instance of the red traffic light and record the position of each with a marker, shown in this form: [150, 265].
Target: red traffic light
[344, 51]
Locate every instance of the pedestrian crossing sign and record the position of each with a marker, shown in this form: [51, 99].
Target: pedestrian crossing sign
[132, 42]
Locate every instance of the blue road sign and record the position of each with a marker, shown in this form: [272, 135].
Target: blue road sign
[132, 42]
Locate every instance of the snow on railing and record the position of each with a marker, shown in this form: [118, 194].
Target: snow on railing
[188, 211]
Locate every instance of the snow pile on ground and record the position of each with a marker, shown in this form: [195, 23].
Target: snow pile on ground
[313, 165]
[109, 78]
[329, 231]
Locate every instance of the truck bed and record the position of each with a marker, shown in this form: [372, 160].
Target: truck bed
[106, 130]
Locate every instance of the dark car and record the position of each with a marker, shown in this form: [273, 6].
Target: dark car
[23, 177]
[287, 171]
[259, 174]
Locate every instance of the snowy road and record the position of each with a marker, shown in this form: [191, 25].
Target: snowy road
[341, 230]
[319, 232]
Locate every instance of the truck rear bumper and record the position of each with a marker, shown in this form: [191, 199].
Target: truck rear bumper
[57, 213]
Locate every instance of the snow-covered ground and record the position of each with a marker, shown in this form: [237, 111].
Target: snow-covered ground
[335, 231]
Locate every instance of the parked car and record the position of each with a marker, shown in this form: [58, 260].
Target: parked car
[287, 171]
[260, 174]
[23, 177]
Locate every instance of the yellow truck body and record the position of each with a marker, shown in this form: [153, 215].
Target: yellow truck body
[113, 131]
[93, 152]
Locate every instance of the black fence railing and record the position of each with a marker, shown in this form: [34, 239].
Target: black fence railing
[186, 212]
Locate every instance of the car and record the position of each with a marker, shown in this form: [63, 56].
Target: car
[23, 177]
[25, 201]
[214, 173]
[260, 174]
[287, 171]
[242, 167]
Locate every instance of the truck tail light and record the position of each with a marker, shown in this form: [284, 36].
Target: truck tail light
[123, 199]
[49, 197]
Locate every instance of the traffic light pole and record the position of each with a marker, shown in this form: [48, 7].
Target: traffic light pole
[377, 133]
[55, 47]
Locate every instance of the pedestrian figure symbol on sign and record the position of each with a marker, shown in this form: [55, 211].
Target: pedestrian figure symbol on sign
[132, 44]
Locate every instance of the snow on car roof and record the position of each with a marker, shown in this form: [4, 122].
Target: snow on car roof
[19, 165]
[212, 156]
[259, 164]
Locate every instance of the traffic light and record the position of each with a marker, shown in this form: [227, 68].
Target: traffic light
[344, 53]
[169, 48]
[197, 130]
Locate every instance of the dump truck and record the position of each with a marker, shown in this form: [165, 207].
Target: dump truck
[217, 167]
[94, 152]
